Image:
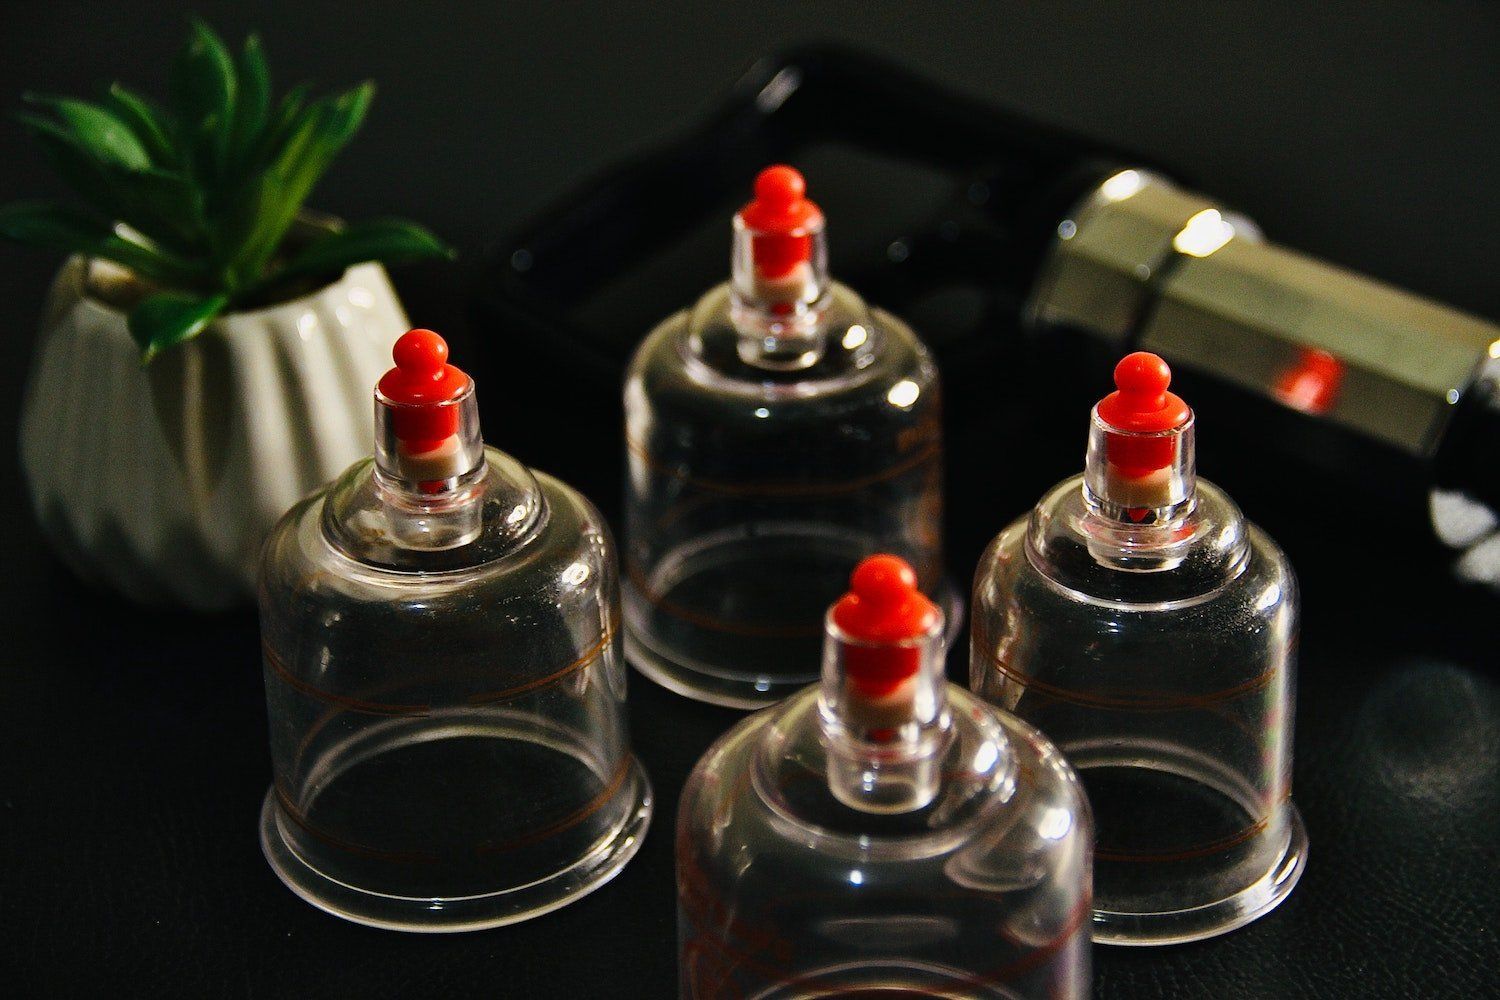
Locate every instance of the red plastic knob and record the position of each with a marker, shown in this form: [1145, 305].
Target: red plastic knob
[422, 386]
[1141, 405]
[782, 218]
[883, 606]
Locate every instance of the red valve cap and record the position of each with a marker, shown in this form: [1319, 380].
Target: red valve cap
[422, 388]
[782, 218]
[1141, 405]
[883, 606]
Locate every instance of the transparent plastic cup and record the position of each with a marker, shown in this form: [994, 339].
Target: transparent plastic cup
[1141, 622]
[445, 684]
[776, 432]
[883, 833]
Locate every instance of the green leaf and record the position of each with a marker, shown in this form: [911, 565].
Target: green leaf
[163, 205]
[252, 101]
[106, 138]
[347, 114]
[76, 166]
[71, 230]
[52, 227]
[202, 82]
[392, 241]
[279, 125]
[237, 213]
[320, 132]
[263, 193]
[149, 123]
[167, 319]
[158, 204]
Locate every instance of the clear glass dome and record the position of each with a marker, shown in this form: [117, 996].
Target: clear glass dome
[444, 683]
[1138, 620]
[776, 432]
[883, 833]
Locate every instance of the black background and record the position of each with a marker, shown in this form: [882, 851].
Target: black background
[132, 751]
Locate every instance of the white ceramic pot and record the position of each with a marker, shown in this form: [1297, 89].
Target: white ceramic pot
[161, 481]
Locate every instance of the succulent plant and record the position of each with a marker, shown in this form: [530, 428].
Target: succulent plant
[196, 199]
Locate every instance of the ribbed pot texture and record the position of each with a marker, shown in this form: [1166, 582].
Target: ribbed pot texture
[162, 481]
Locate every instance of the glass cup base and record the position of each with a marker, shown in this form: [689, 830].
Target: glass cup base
[1198, 923]
[468, 913]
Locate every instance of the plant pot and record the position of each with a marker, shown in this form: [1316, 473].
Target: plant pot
[161, 481]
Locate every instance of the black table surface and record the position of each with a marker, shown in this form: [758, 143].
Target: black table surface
[133, 757]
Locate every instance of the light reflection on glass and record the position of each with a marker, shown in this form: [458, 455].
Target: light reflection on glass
[903, 393]
[1055, 824]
